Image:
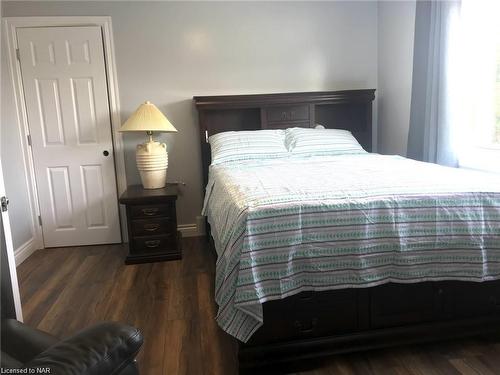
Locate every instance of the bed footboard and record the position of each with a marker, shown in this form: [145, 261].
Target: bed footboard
[317, 324]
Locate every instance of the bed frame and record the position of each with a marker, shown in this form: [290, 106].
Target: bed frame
[315, 324]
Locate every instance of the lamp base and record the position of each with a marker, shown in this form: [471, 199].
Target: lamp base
[152, 163]
[153, 179]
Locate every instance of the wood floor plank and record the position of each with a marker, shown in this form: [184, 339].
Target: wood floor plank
[439, 362]
[36, 305]
[217, 348]
[66, 312]
[64, 290]
[340, 366]
[178, 350]
[477, 364]
[463, 367]
[157, 323]
[118, 303]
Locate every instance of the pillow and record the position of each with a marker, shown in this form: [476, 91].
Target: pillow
[303, 141]
[247, 145]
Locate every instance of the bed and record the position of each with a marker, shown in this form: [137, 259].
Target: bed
[380, 250]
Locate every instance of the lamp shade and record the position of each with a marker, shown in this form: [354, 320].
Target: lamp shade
[147, 118]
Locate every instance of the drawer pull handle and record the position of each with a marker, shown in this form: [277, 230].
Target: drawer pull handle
[495, 302]
[150, 211]
[306, 296]
[151, 227]
[306, 328]
[152, 244]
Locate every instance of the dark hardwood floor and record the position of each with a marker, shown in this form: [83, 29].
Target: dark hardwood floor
[66, 289]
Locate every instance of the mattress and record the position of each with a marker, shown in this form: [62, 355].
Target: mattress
[351, 221]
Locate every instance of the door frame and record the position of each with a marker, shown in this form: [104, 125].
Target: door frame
[11, 24]
[9, 250]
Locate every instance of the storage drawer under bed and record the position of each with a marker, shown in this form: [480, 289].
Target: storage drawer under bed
[308, 315]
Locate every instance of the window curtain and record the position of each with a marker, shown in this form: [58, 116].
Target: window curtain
[433, 121]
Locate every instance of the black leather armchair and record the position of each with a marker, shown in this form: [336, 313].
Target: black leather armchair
[104, 349]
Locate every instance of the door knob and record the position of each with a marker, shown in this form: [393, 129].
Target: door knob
[105, 152]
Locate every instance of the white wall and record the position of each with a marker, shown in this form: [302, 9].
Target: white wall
[167, 52]
[12, 160]
[396, 28]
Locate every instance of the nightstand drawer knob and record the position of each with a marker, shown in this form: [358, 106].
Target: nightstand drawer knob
[152, 243]
[150, 211]
[151, 227]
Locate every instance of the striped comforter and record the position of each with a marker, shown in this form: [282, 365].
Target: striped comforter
[282, 227]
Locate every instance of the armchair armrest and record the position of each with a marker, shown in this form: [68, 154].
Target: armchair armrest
[22, 342]
[103, 349]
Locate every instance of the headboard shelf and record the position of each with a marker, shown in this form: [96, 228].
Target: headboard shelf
[346, 109]
[258, 100]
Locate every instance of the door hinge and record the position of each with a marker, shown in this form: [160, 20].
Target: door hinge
[4, 202]
[29, 139]
[18, 54]
[39, 220]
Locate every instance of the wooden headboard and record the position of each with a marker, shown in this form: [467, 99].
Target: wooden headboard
[348, 109]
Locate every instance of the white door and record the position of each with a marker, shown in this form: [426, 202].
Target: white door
[11, 301]
[65, 88]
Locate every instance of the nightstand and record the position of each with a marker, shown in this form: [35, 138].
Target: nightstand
[152, 224]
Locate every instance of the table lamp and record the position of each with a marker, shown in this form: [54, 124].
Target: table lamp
[151, 156]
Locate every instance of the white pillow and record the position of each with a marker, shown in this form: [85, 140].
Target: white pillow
[305, 141]
[247, 145]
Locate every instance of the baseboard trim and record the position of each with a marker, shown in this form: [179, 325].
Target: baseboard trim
[189, 230]
[24, 251]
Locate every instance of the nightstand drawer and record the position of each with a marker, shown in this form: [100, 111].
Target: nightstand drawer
[145, 211]
[163, 243]
[153, 226]
[288, 113]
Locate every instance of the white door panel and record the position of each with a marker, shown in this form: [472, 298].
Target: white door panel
[65, 87]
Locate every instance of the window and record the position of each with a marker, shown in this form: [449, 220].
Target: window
[496, 136]
[479, 67]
